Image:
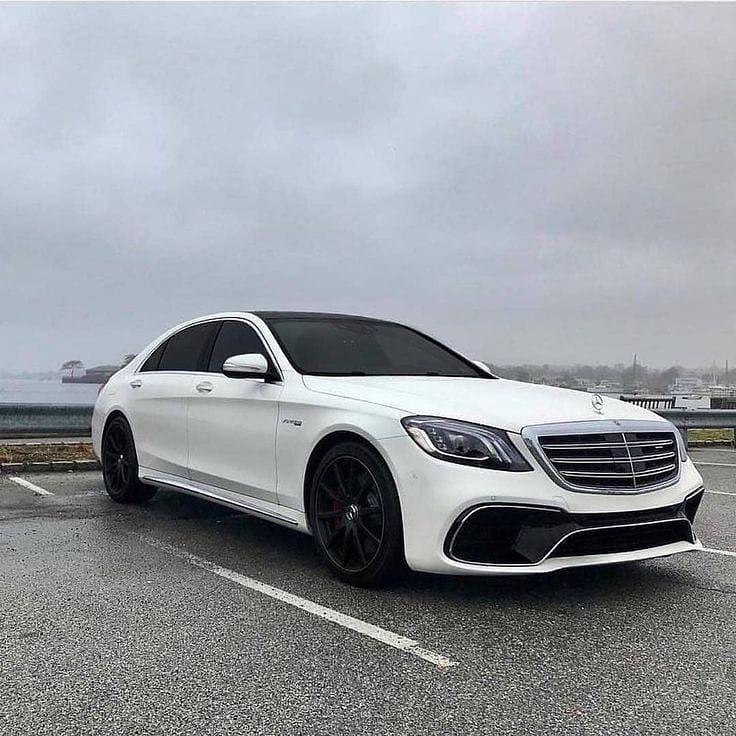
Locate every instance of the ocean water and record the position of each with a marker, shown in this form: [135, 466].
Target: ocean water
[27, 391]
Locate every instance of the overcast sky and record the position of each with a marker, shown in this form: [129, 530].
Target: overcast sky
[541, 183]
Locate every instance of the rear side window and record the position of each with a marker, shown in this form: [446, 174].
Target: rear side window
[154, 358]
[235, 338]
[186, 351]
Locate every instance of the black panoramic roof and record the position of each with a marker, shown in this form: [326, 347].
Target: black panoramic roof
[267, 316]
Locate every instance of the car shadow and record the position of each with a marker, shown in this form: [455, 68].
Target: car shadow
[287, 558]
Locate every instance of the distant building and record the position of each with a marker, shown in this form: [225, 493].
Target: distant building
[73, 371]
[688, 384]
[606, 387]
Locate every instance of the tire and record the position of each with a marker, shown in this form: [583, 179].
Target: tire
[120, 464]
[355, 516]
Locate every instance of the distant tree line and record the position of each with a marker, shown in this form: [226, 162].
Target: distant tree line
[627, 378]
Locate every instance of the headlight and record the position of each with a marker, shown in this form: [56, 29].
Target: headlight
[468, 444]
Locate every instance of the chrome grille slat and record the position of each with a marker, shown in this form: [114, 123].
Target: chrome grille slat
[583, 474]
[657, 471]
[645, 458]
[638, 474]
[609, 461]
[617, 461]
[572, 446]
[604, 445]
[655, 443]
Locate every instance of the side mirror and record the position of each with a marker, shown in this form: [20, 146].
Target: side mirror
[250, 365]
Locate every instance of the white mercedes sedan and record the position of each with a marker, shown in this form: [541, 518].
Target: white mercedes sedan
[392, 449]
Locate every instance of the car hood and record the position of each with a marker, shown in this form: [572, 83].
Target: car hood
[509, 405]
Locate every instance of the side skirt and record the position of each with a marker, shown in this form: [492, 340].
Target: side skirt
[236, 501]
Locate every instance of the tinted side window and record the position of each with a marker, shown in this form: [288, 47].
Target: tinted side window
[185, 351]
[235, 338]
[154, 358]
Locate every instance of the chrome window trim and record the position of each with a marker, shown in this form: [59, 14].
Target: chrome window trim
[531, 435]
[255, 327]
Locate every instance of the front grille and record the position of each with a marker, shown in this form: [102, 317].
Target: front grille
[616, 461]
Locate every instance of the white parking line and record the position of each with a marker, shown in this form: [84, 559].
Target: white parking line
[329, 614]
[30, 486]
[720, 493]
[719, 551]
[716, 465]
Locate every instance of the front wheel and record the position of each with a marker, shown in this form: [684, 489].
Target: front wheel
[120, 465]
[355, 515]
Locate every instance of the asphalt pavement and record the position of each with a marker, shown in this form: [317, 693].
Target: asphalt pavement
[181, 617]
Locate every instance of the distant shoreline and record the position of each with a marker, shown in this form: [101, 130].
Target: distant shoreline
[41, 376]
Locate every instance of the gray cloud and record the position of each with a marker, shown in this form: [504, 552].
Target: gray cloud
[541, 182]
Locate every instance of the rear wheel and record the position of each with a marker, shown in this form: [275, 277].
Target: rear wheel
[355, 515]
[120, 465]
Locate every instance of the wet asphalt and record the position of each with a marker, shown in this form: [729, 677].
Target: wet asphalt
[102, 633]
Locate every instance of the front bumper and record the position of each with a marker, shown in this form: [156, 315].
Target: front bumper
[475, 521]
[496, 534]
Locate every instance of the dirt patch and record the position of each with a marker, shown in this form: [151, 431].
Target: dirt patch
[39, 453]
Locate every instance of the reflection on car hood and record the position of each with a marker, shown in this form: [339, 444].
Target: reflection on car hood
[510, 405]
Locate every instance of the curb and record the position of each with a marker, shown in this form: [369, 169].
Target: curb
[44, 441]
[54, 466]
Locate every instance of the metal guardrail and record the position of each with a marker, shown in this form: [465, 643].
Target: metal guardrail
[73, 420]
[700, 418]
[685, 419]
[45, 420]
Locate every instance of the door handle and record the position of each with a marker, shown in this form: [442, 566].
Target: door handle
[137, 383]
[204, 388]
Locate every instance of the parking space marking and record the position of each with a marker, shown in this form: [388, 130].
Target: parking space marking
[354, 624]
[715, 465]
[720, 493]
[30, 486]
[719, 551]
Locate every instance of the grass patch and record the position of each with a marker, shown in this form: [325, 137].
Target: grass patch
[45, 453]
[724, 436]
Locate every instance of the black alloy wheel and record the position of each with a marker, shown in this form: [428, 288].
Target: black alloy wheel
[120, 464]
[355, 515]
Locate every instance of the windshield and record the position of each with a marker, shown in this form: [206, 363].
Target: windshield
[361, 347]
